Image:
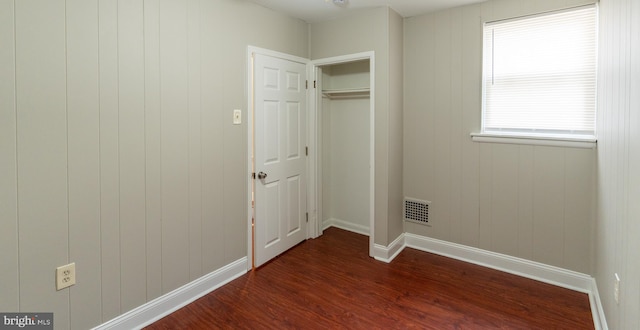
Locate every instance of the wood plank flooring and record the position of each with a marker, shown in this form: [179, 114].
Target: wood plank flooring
[331, 282]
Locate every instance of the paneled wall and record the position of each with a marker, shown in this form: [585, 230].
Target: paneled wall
[618, 219]
[117, 149]
[531, 202]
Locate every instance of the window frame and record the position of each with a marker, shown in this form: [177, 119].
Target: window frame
[533, 137]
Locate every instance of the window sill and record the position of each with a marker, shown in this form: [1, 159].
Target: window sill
[584, 143]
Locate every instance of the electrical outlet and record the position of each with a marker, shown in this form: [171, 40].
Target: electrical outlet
[65, 276]
[616, 288]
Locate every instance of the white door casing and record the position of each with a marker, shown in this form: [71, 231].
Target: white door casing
[280, 110]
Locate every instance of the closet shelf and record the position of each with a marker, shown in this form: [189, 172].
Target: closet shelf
[346, 93]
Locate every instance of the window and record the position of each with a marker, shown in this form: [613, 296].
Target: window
[539, 76]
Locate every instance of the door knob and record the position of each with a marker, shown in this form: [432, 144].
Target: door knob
[262, 175]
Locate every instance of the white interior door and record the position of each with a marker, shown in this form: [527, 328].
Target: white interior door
[280, 159]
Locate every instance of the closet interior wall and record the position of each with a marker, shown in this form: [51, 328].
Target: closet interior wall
[345, 112]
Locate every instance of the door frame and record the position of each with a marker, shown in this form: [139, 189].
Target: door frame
[314, 178]
[250, 139]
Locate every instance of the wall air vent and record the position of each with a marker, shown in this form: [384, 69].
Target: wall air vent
[416, 210]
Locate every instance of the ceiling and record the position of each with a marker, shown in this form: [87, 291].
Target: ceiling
[313, 11]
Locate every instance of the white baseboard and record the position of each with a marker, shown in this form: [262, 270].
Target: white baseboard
[518, 266]
[597, 310]
[174, 300]
[164, 305]
[388, 253]
[346, 225]
[526, 268]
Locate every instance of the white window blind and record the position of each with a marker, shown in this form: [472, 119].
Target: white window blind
[539, 75]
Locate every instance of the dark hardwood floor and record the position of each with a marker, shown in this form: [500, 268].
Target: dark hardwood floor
[331, 282]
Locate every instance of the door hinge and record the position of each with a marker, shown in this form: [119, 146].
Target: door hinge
[306, 84]
[307, 216]
[306, 151]
[314, 84]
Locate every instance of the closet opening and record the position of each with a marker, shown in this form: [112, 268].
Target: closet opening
[344, 136]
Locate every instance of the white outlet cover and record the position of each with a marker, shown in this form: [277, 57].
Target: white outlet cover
[65, 276]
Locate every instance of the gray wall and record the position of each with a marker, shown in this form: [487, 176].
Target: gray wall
[117, 149]
[374, 30]
[395, 118]
[531, 202]
[617, 234]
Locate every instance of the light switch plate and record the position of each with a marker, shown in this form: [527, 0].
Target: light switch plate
[237, 117]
